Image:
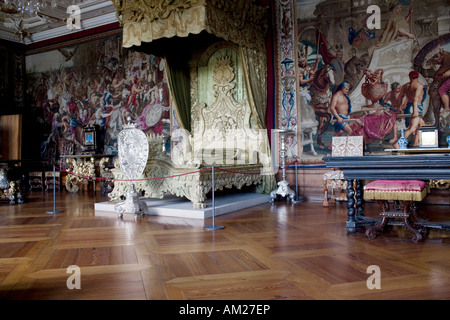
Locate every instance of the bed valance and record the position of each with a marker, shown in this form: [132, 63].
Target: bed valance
[240, 21]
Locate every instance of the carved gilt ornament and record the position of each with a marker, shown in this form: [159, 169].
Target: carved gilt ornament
[240, 21]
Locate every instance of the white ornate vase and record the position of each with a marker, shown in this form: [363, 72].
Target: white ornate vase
[133, 154]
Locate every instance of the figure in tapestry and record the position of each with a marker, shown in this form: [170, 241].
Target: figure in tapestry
[376, 64]
[102, 85]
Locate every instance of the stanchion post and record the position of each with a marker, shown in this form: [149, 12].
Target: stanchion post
[213, 226]
[297, 199]
[54, 194]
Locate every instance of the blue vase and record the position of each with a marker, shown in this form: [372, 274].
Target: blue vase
[402, 142]
[448, 140]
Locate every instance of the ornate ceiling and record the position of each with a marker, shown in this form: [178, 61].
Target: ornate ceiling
[52, 22]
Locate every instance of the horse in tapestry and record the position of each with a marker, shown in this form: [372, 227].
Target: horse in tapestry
[321, 97]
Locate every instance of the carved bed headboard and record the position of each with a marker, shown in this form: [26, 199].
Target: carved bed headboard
[223, 133]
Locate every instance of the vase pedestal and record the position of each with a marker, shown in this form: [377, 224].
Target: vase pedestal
[132, 204]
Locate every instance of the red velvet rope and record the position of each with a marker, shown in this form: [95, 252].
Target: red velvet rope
[173, 176]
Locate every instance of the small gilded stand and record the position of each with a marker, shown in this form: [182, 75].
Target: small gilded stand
[283, 186]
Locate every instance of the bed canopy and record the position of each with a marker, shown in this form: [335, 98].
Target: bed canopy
[241, 21]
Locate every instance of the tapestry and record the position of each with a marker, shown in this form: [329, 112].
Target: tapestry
[361, 66]
[99, 83]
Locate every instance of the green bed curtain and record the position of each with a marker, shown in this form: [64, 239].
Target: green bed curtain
[255, 74]
[177, 72]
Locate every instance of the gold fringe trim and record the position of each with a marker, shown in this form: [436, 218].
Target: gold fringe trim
[395, 195]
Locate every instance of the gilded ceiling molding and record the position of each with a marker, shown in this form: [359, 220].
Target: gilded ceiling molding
[240, 21]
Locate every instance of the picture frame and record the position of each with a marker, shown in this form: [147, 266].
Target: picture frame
[90, 138]
[428, 137]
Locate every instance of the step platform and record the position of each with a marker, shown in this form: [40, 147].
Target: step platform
[172, 206]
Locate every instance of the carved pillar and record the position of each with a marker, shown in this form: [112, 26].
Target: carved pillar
[359, 199]
[351, 220]
[288, 109]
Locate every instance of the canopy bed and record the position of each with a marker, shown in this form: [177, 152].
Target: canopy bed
[218, 96]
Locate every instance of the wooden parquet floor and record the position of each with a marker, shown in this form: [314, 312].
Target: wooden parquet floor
[273, 252]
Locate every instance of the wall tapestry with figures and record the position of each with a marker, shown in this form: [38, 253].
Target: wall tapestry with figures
[357, 78]
[99, 83]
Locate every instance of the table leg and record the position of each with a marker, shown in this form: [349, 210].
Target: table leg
[359, 199]
[351, 221]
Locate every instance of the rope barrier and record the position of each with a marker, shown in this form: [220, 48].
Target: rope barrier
[172, 176]
[125, 180]
[212, 227]
[251, 173]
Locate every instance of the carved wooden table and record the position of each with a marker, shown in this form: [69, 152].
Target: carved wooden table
[392, 167]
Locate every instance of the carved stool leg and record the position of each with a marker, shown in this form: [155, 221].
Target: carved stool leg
[417, 231]
[417, 236]
[416, 214]
[372, 232]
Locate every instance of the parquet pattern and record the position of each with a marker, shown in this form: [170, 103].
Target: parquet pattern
[273, 252]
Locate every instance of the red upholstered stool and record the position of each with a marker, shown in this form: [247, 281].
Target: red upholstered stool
[406, 191]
